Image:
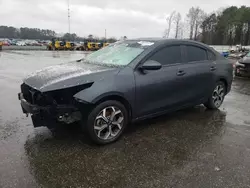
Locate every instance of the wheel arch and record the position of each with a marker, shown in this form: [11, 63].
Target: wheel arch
[115, 97]
[224, 80]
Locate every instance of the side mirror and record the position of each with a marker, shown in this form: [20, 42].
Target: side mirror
[151, 65]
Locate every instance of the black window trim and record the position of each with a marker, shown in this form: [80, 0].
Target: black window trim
[160, 48]
[185, 53]
[208, 50]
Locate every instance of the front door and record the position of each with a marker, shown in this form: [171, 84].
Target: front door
[163, 89]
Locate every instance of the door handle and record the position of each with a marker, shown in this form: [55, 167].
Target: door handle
[212, 68]
[180, 73]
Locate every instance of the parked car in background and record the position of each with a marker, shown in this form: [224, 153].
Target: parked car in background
[5, 43]
[21, 43]
[242, 67]
[126, 81]
[13, 42]
[32, 43]
[225, 54]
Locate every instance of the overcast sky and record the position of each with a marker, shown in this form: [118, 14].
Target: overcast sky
[132, 18]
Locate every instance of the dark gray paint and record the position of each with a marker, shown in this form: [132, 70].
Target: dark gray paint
[148, 92]
[67, 75]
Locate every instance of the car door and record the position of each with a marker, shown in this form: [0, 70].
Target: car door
[163, 89]
[203, 61]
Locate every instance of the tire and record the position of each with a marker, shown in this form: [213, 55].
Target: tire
[106, 122]
[217, 97]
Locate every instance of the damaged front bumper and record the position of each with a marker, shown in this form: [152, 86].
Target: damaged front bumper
[243, 71]
[49, 115]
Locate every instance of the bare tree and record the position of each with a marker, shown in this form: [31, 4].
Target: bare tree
[181, 30]
[177, 20]
[200, 18]
[193, 16]
[169, 21]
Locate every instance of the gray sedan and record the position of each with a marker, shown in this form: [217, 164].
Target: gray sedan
[127, 81]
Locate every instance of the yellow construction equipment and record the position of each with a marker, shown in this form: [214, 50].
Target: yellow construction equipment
[91, 46]
[60, 45]
[85, 46]
[56, 45]
[105, 44]
[69, 46]
[1, 45]
[98, 46]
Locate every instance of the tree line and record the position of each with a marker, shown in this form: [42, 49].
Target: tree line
[90, 37]
[26, 33]
[44, 34]
[230, 26]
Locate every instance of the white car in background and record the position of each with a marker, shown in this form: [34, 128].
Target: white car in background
[21, 43]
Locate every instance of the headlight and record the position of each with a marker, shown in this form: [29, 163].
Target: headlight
[239, 64]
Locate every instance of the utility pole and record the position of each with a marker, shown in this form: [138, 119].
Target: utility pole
[69, 16]
[105, 34]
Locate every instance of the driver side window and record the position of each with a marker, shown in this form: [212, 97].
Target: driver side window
[168, 55]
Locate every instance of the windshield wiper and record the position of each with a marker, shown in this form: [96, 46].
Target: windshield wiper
[79, 60]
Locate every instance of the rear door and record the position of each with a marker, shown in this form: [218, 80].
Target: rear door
[203, 62]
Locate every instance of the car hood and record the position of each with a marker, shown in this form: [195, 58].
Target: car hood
[245, 60]
[67, 75]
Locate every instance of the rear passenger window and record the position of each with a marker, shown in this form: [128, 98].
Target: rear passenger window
[168, 55]
[211, 55]
[196, 54]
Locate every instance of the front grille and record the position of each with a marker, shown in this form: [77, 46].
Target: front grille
[35, 97]
[62, 96]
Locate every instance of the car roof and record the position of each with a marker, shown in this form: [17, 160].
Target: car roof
[159, 41]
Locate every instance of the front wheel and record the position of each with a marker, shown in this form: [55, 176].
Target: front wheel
[106, 122]
[217, 97]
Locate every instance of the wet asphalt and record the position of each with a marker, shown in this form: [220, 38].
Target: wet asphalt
[192, 148]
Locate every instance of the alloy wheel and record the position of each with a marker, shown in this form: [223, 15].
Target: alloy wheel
[218, 95]
[109, 123]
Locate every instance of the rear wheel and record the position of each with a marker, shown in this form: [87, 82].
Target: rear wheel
[217, 97]
[107, 122]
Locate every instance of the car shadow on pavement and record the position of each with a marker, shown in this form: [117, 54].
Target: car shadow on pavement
[148, 151]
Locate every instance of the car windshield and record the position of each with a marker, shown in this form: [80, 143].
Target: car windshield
[248, 55]
[117, 54]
